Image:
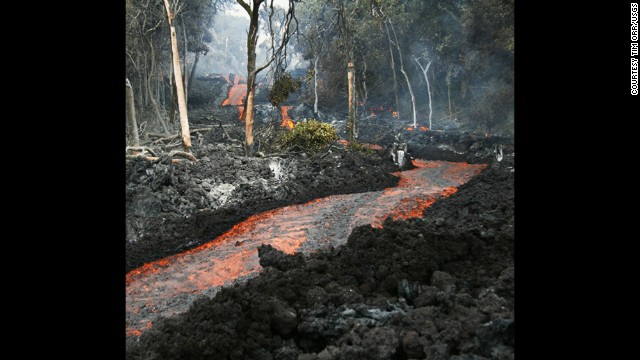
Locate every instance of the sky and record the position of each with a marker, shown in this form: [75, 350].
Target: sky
[237, 10]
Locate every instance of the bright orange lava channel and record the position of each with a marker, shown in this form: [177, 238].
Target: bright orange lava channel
[159, 288]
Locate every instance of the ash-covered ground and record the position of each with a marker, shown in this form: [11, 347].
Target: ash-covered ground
[434, 288]
[440, 287]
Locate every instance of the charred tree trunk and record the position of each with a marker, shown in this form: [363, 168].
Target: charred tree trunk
[131, 115]
[365, 91]
[352, 117]
[449, 96]
[182, 104]
[315, 85]
[173, 101]
[193, 71]
[252, 40]
[154, 104]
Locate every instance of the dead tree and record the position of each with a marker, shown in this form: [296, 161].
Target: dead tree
[406, 77]
[177, 73]
[352, 114]
[131, 115]
[424, 72]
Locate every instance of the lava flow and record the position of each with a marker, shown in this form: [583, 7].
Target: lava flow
[168, 286]
[237, 93]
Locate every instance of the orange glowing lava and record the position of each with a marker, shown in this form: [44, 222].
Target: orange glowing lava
[168, 286]
[286, 120]
[237, 93]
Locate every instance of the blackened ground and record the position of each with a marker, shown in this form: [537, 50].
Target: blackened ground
[175, 207]
[434, 288]
[447, 145]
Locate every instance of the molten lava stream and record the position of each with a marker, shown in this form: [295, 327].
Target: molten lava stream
[168, 286]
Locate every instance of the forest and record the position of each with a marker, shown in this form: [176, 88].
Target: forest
[439, 63]
[319, 179]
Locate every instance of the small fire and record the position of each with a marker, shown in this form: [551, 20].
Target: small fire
[286, 120]
[240, 113]
[394, 113]
[237, 93]
[424, 128]
[409, 128]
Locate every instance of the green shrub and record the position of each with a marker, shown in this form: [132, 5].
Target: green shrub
[309, 136]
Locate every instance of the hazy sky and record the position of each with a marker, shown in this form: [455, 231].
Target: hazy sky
[236, 9]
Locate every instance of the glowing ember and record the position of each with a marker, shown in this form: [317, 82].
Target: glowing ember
[423, 128]
[168, 286]
[409, 128]
[286, 120]
[394, 113]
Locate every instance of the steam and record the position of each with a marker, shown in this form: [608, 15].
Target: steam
[228, 48]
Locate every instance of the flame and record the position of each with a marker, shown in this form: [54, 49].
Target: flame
[240, 113]
[409, 128]
[168, 286]
[424, 128]
[394, 113]
[237, 93]
[286, 120]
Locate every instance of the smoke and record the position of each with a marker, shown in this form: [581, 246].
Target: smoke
[228, 48]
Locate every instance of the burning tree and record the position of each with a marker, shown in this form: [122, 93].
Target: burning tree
[277, 51]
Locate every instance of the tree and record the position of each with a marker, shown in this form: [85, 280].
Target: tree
[149, 59]
[425, 69]
[277, 51]
[406, 77]
[182, 104]
[131, 115]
